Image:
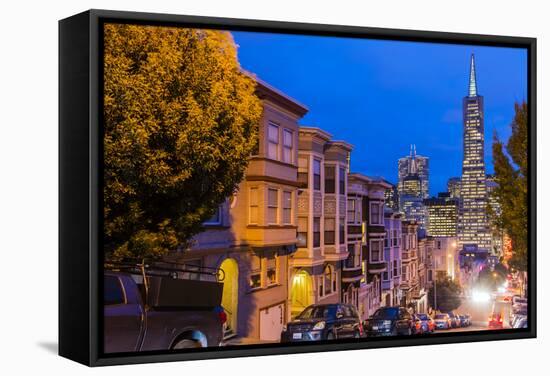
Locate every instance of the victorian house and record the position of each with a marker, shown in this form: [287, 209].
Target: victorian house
[425, 271]
[367, 197]
[409, 264]
[253, 234]
[391, 278]
[315, 268]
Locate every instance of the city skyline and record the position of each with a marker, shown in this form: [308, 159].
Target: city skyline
[351, 92]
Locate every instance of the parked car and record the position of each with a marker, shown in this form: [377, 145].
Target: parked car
[455, 320]
[517, 317]
[418, 328]
[516, 299]
[464, 321]
[324, 322]
[520, 322]
[134, 321]
[442, 321]
[390, 321]
[517, 312]
[495, 321]
[426, 323]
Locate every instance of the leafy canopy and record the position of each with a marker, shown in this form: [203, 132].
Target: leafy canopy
[511, 193]
[446, 293]
[181, 120]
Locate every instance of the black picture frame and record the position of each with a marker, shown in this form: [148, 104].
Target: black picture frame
[80, 181]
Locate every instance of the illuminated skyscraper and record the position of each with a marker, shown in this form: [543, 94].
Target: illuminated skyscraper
[414, 164]
[441, 215]
[410, 199]
[412, 188]
[473, 226]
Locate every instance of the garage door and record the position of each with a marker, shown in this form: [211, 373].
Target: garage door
[271, 323]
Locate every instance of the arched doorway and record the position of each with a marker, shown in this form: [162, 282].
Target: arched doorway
[301, 294]
[230, 295]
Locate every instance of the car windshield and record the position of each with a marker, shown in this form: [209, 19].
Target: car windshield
[440, 317]
[422, 316]
[317, 312]
[386, 313]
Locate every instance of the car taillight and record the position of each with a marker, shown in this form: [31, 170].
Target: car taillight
[222, 316]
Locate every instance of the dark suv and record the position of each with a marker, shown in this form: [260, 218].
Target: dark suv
[324, 322]
[390, 321]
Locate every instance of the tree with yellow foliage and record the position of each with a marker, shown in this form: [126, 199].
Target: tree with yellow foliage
[180, 122]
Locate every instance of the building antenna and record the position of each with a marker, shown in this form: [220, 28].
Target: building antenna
[472, 88]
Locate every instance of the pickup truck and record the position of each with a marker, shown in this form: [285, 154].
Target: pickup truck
[147, 319]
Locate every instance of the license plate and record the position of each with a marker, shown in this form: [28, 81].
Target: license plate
[296, 335]
[374, 328]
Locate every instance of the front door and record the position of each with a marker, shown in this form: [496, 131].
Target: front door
[301, 294]
[230, 295]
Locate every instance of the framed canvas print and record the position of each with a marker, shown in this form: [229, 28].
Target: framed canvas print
[239, 187]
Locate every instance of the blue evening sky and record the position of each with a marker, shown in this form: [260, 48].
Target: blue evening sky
[382, 96]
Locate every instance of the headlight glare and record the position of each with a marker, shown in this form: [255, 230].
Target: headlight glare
[319, 326]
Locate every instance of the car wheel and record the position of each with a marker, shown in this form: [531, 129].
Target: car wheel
[186, 344]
